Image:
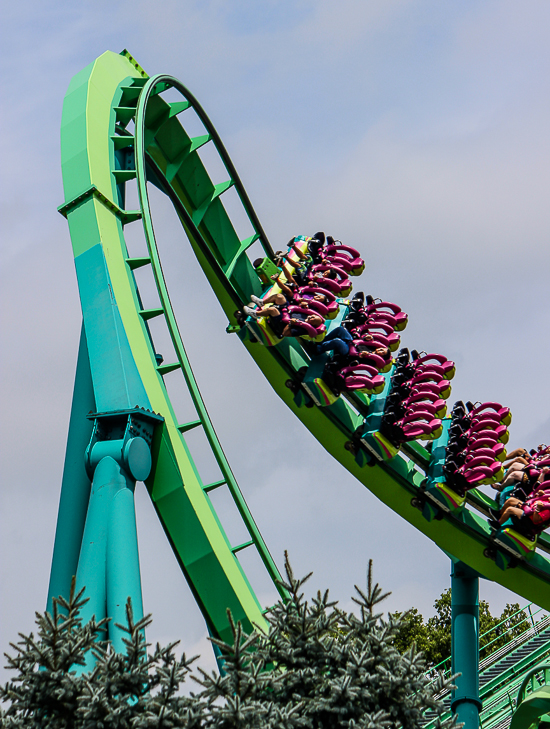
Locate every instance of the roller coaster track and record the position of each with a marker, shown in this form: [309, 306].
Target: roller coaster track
[501, 674]
[101, 154]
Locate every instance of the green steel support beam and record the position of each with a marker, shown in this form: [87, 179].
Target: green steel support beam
[124, 368]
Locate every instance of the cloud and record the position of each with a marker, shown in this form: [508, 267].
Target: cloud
[415, 131]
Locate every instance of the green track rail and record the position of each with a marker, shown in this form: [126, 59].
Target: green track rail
[95, 117]
[101, 154]
[533, 700]
[502, 672]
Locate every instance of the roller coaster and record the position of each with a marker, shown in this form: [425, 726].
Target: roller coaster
[119, 128]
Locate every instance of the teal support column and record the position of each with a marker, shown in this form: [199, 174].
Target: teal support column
[108, 566]
[96, 571]
[75, 486]
[108, 480]
[465, 701]
[109, 559]
[123, 574]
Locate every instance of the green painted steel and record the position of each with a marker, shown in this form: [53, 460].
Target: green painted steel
[533, 701]
[508, 666]
[123, 364]
[163, 149]
[487, 653]
[117, 130]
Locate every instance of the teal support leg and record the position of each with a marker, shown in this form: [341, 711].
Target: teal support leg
[93, 555]
[75, 486]
[109, 560]
[108, 566]
[465, 701]
[123, 575]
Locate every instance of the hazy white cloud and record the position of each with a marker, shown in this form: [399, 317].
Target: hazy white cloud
[416, 131]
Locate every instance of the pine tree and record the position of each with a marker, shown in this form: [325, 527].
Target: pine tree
[45, 692]
[328, 668]
[123, 690]
[317, 666]
[241, 697]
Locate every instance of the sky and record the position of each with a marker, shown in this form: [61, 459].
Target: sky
[416, 132]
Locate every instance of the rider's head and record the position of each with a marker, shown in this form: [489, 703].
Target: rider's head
[315, 320]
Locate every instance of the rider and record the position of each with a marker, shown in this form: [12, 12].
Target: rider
[536, 507]
[281, 328]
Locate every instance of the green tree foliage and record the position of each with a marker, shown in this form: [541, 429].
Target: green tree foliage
[433, 637]
[51, 689]
[317, 666]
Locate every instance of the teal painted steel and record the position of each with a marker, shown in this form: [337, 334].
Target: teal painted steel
[465, 701]
[467, 713]
[75, 487]
[123, 574]
[117, 383]
[93, 553]
[111, 498]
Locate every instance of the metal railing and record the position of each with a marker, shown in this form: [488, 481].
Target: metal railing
[500, 703]
[528, 682]
[500, 631]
